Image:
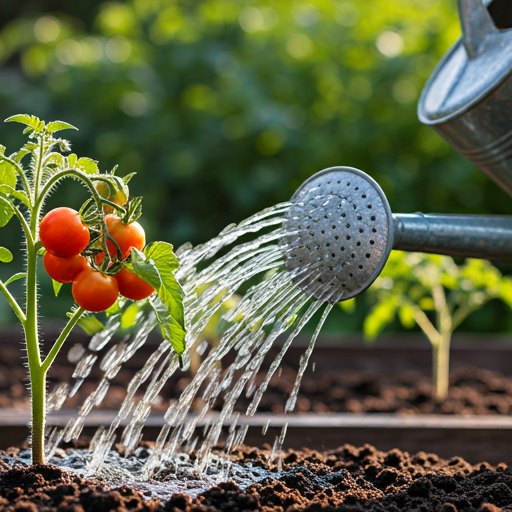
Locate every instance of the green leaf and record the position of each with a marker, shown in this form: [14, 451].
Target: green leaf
[15, 277]
[129, 315]
[5, 255]
[163, 255]
[169, 293]
[56, 126]
[86, 164]
[31, 121]
[7, 174]
[114, 309]
[89, 323]
[56, 287]
[380, 316]
[55, 158]
[6, 213]
[171, 330]
[72, 160]
[144, 268]
[8, 191]
[406, 315]
[505, 292]
[2, 149]
[348, 305]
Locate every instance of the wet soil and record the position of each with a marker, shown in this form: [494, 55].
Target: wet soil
[472, 390]
[347, 479]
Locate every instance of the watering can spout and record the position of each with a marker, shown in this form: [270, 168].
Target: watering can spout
[340, 231]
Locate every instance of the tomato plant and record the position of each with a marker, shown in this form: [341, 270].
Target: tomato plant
[92, 250]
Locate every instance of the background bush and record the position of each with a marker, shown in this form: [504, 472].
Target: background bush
[224, 107]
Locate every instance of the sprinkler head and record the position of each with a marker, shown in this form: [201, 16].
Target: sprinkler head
[339, 233]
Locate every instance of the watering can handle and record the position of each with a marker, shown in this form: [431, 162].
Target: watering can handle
[477, 26]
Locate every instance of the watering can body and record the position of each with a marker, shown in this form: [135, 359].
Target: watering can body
[468, 98]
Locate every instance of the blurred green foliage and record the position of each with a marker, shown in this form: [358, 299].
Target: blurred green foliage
[223, 107]
[435, 293]
[420, 288]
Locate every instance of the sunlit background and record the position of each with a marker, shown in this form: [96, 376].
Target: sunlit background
[224, 107]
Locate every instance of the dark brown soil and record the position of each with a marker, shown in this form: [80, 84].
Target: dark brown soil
[347, 479]
[472, 390]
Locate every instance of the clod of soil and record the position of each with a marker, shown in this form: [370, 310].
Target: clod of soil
[347, 479]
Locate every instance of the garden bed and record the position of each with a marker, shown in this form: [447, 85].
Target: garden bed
[355, 394]
[348, 478]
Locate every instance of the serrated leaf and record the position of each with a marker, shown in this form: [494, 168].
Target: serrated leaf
[90, 324]
[15, 277]
[72, 160]
[2, 149]
[31, 121]
[5, 255]
[6, 213]
[18, 194]
[56, 287]
[144, 268]
[86, 164]
[7, 174]
[169, 293]
[56, 126]
[170, 329]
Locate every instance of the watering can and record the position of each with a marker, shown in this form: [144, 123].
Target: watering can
[341, 227]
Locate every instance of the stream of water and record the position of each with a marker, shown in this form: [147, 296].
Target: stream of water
[211, 274]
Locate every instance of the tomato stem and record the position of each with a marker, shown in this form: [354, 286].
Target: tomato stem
[37, 375]
[61, 339]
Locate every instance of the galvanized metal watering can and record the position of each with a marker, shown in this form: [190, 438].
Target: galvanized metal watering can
[341, 226]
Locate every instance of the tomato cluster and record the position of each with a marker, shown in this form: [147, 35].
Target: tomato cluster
[65, 237]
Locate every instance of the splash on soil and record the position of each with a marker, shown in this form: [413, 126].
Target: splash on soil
[347, 479]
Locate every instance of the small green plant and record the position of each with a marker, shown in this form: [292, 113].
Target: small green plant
[436, 294]
[100, 250]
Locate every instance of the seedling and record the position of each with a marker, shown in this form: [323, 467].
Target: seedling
[436, 294]
[100, 249]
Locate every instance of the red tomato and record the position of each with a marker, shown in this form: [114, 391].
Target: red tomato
[62, 232]
[94, 291]
[64, 270]
[126, 236]
[132, 286]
